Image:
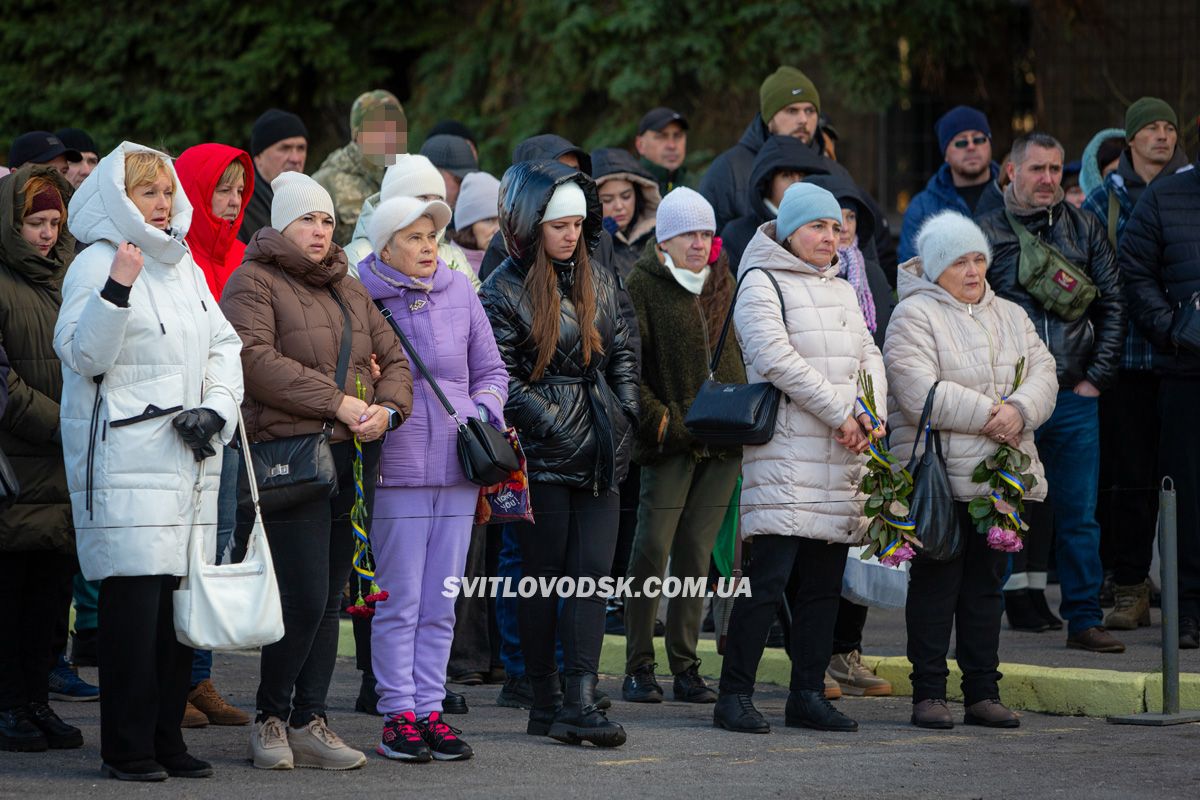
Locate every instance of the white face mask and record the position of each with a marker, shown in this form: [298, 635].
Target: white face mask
[692, 281]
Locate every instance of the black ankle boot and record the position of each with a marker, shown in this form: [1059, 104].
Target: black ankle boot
[1021, 613]
[1037, 597]
[580, 721]
[547, 702]
[809, 709]
[736, 712]
[59, 735]
[19, 734]
[454, 703]
[368, 698]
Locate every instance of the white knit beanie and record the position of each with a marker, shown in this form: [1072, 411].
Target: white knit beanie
[946, 237]
[568, 200]
[478, 199]
[400, 212]
[683, 210]
[296, 194]
[412, 176]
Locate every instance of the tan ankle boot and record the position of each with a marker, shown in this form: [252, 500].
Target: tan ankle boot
[1131, 609]
[216, 708]
[856, 678]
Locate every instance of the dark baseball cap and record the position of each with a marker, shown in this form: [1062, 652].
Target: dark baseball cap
[451, 153]
[658, 118]
[38, 147]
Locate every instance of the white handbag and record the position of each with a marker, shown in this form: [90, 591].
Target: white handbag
[870, 583]
[229, 606]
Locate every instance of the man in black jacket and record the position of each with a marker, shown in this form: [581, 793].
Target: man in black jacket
[1160, 261]
[1088, 352]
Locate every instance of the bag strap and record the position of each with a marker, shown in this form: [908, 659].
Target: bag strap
[1114, 212]
[923, 425]
[716, 359]
[416, 359]
[1026, 238]
[343, 362]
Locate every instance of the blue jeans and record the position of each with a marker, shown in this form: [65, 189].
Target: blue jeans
[509, 566]
[1069, 446]
[227, 497]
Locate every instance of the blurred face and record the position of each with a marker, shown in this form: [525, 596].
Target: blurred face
[154, 201]
[969, 155]
[780, 181]
[413, 250]
[41, 230]
[1155, 143]
[227, 200]
[79, 170]
[849, 228]
[484, 231]
[816, 242]
[1075, 196]
[667, 148]
[798, 119]
[964, 279]
[560, 236]
[1037, 178]
[689, 250]
[619, 199]
[312, 233]
[383, 136]
[286, 155]
[453, 184]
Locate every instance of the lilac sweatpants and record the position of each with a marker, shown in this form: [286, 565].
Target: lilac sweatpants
[419, 537]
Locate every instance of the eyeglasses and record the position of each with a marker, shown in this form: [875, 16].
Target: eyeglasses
[978, 141]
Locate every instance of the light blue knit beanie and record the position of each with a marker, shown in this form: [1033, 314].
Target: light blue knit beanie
[803, 203]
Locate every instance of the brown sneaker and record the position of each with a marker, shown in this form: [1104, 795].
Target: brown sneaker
[1131, 608]
[856, 678]
[832, 690]
[991, 714]
[1096, 639]
[932, 714]
[209, 702]
[193, 717]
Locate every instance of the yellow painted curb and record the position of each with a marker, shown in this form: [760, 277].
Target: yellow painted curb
[1189, 691]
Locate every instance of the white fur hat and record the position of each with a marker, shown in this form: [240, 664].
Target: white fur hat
[400, 212]
[946, 237]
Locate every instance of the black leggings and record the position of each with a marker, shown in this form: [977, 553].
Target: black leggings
[575, 535]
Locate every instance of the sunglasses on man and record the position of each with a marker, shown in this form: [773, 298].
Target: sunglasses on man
[978, 141]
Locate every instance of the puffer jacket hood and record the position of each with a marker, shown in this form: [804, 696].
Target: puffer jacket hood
[268, 246]
[525, 191]
[213, 240]
[1089, 172]
[100, 210]
[613, 163]
[549, 147]
[845, 189]
[779, 153]
[15, 253]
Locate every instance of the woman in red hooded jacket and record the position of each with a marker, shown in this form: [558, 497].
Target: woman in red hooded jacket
[215, 178]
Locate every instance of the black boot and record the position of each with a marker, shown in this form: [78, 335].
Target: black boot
[19, 734]
[1038, 598]
[602, 701]
[580, 721]
[547, 702]
[736, 712]
[59, 735]
[1021, 613]
[368, 698]
[808, 708]
[454, 703]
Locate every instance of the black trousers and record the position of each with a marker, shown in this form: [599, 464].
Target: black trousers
[29, 583]
[1127, 509]
[816, 569]
[574, 537]
[964, 593]
[144, 669]
[312, 545]
[848, 629]
[1179, 457]
[1039, 540]
[631, 490]
[471, 650]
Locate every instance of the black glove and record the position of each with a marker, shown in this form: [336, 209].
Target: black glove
[196, 427]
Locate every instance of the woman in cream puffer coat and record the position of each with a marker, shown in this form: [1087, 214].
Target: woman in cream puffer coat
[950, 328]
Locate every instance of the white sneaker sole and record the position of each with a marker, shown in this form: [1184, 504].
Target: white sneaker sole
[283, 763]
[333, 767]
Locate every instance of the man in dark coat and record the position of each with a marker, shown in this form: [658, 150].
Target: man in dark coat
[278, 143]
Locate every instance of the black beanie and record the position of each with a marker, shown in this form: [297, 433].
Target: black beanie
[1109, 151]
[77, 139]
[273, 126]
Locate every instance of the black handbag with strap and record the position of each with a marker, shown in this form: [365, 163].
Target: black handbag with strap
[485, 454]
[931, 505]
[735, 413]
[298, 469]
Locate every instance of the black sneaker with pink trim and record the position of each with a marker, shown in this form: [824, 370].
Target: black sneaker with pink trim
[443, 739]
[403, 740]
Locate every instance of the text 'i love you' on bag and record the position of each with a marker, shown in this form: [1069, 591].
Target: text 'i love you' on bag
[931, 505]
[228, 606]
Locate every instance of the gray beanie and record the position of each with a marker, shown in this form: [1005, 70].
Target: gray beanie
[946, 237]
[296, 194]
[683, 210]
[478, 199]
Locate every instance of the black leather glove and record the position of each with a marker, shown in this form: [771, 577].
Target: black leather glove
[196, 427]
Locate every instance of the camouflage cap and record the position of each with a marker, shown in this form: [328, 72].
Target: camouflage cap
[370, 103]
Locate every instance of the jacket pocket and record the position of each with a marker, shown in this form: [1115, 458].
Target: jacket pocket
[139, 439]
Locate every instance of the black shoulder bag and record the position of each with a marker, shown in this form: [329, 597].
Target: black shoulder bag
[485, 454]
[298, 469]
[932, 503]
[735, 413]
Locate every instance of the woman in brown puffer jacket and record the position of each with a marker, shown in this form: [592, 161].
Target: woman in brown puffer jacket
[289, 303]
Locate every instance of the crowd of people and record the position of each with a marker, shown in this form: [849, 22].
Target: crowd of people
[148, 302]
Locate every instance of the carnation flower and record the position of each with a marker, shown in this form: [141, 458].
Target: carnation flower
[1004, 540]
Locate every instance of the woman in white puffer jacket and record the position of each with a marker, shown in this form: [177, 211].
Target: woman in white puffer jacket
[800, 501]
[951, 329]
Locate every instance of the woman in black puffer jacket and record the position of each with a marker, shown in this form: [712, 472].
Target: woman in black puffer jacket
[573, 397]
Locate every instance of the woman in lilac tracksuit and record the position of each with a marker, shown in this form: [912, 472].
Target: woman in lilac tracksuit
[424, 504]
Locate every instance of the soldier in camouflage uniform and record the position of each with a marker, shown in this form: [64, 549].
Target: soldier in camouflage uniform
[351, 174]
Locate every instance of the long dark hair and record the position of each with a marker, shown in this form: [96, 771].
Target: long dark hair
[541, 284]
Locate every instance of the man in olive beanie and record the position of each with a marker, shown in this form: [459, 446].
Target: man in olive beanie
[789, 104]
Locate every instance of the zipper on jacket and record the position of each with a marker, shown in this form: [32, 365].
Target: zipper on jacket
[93, 427]
[154, 306]
[991, 345]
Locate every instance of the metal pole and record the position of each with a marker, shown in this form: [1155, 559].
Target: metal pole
[1167, 534]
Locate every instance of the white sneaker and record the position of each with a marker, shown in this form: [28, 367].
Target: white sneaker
[269, 748]
[317, 747]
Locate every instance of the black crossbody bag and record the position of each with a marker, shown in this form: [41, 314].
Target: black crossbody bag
[485, 454]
